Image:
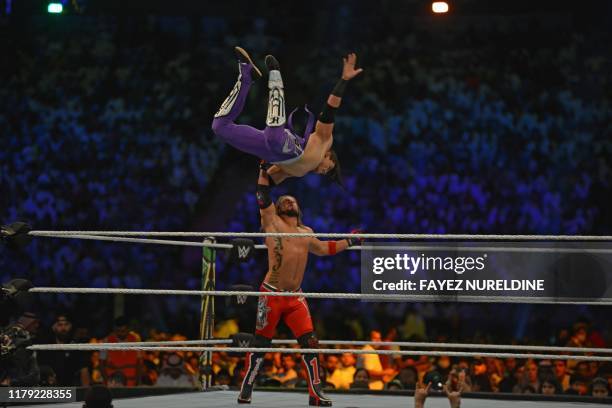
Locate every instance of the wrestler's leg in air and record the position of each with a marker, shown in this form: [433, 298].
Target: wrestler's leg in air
[282, 143]
[243, 137]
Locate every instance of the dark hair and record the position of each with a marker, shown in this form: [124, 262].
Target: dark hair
[335, 174]
[118, 377]
[360, 370]
[394, 384]
[98, 396]
[62, 316]
[599, 381]
[552, 381]
[280, 199]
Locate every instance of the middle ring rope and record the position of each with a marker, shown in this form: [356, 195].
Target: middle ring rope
[324, 295]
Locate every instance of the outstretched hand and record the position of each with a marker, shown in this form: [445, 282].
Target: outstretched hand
[454, 397]
[420, 394]
[348, 69]
[355, 240]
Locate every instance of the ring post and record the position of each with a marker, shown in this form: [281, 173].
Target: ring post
[207, 312]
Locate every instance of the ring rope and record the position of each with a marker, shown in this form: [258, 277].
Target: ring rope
[138, 240]
[487, 237]
[159, 241]
[93, 347]
[470, 346]
[353, 248]
[327, 295]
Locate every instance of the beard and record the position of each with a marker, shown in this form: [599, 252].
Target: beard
[289, 213]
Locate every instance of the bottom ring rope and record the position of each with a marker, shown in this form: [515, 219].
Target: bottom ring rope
[95, 347]
[511, 347]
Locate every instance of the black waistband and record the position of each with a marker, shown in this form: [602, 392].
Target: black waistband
[275, 289]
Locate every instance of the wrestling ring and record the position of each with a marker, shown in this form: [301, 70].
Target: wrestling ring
[206, 345]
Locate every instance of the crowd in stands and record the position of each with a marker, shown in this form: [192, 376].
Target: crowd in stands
[341, 371]
[106, 123]
[103, 129]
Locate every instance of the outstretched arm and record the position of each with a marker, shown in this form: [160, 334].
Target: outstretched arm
[322, 248]
[325, 124]
[267, 210]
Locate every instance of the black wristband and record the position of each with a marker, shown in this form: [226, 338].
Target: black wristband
[327, 114]
[264, 165]
[352, 241]
[339, 88]
[263, 196]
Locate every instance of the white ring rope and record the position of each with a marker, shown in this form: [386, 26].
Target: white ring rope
[94, 346]
[511, 347]
[353, 248]
[330, 295]
[489, 237]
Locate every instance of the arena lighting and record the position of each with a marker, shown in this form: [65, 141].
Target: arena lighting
[439, 7]
[55, 8]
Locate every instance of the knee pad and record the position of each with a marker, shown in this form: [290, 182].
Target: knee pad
[308, 340]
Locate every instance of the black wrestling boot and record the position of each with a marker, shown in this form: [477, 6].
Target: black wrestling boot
[245, 394]
[317, 397]
[254, 361]
[319, 401]
[272, 63]
[244, 58]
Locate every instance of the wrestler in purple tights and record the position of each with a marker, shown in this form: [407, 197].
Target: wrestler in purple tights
[277, 143]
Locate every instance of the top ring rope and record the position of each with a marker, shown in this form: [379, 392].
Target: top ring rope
[353, 248]
[490, 237]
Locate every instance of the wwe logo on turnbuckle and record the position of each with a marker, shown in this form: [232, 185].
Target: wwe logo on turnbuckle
[244, 343]
[243, 252]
